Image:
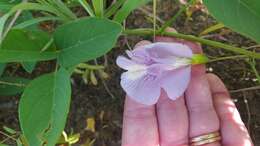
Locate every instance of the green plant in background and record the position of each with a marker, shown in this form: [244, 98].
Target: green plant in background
[45, 101]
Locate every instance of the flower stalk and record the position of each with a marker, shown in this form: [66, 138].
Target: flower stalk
[215, 44]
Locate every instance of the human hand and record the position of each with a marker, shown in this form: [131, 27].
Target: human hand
[206, 107]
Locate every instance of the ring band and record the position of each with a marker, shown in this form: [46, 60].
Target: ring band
[205, 139]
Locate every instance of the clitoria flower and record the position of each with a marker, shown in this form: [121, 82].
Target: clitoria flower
[155, 67]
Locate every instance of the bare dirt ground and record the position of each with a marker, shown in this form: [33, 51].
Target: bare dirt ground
[94, 101]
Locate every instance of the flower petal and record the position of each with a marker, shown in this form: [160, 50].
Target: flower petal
[168, 50]
[139, 55]
[141, 87]
[175, 82]
[128, 64]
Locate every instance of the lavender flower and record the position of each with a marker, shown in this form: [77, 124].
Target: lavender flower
[154, 67]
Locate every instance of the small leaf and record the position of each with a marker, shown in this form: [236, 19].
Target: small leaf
[127, 8]
[45, 105]
[29, 66]
[9, 130]
[212, 28]
[98, 7]
[72, 139]
[87, 7]
[85, 39]
[93, 78]
[12, 85]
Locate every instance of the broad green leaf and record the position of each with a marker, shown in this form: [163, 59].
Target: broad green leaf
[242, 16]
[2, 68]
[85, 39]
[25, 46]
[98, 7]
[45, 105]
[12, 85]
[29, 66]
[127, 8]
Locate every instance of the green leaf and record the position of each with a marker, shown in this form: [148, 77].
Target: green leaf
[9, 130]
[212, 28]
[6, 5]
[29, 66]
[45, 105]
[2, 68]
[98, 7]
[127, 8]
[114, 7]
[25, 46]
[3, 20]
[12, 85]
[87, 7]
[242, 16]
[85, 39]
[34, 21]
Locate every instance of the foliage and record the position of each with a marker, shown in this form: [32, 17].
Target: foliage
[242, 16]
[74, 40]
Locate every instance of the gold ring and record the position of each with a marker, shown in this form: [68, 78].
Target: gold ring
[205, 139]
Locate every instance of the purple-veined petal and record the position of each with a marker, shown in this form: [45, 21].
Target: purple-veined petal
[141, 87]
[175, 82]
[168, 50]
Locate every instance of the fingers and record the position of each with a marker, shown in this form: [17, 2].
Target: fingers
[172, 115]
[139, 125]
[139, 122]
[203, 118]
[202, 115]
[172, 121]
[234, 132]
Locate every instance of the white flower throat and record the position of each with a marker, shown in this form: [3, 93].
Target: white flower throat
[138, 70]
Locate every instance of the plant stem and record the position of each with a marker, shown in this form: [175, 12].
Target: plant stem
[12, 84]
[228, 58]
[216, 44]
[171, 21]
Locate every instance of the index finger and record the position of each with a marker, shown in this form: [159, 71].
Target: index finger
[140, 122]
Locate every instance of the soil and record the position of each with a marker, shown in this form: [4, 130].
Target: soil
[94, 101]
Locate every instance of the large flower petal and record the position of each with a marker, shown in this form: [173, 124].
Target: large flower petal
[175, 82]
[168, 50]
[141, 87]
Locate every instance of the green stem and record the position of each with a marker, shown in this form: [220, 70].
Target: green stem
[171, 21]
[12, 84]
[150, 32]
[228, 58]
